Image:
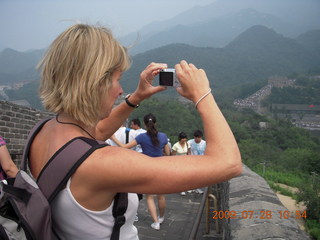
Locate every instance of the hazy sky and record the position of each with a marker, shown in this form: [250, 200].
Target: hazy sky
[33, 24]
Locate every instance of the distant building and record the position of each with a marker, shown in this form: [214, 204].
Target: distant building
[301, 115]
[297, 108]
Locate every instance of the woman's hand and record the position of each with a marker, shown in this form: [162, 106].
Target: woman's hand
[145, 88]
[194, 81]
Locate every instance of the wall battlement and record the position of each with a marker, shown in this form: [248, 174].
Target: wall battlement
[15, 123]
[260, 214]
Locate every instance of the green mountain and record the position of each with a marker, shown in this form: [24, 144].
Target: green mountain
[252, 57]
[18, 66]
[218, 23]
[311, 41]
[256, 54]
[213, 32]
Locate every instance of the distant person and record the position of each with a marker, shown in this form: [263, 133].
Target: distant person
[7, 166]
[197, 144]
[136, 125]
[122, 134]
[153, 144]
[197, 147]
[181, 148]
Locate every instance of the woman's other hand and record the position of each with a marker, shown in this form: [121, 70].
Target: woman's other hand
[194, 81]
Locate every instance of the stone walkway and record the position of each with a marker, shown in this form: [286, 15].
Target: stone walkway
[179, 218]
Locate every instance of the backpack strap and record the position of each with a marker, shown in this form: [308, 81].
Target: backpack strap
[62, 164]
[34, 131]
[19, 193]
[119, 208]
[55, 175]
[127, 134]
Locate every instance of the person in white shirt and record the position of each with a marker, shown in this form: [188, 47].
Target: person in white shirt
[181, 147]
[198, 147]
[120, 134]
[136, 125]
[197, 144]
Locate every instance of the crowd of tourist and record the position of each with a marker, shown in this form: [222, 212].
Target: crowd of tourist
[253, 100]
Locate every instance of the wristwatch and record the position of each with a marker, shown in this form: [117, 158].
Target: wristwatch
[129, 103]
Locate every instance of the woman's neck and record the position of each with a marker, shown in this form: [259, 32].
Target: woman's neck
[67, 120]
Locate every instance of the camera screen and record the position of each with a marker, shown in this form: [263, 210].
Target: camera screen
[166, 79]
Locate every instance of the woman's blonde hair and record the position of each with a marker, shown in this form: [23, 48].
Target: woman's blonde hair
[76, 71]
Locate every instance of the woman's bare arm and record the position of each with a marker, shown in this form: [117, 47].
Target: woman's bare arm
[6, 162]
[106, 127]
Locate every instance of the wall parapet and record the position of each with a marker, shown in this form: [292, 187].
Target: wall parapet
[259, 211]
[15, 124]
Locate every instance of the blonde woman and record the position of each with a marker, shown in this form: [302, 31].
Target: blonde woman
[80, 82]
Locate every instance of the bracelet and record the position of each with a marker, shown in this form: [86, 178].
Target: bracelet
[206, 94]
[129, 103]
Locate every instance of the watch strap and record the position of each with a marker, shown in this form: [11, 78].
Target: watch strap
[129, 103]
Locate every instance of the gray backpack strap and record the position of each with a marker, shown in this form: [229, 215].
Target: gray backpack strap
[120, 206]
[54, 176]
[34, 131]
[62, 164]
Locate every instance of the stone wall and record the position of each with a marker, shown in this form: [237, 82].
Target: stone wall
[259, 211]
[15, 123]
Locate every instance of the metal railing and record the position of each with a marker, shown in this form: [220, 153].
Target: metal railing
[205, 206]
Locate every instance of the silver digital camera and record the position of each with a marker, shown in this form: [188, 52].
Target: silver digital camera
[167, 77]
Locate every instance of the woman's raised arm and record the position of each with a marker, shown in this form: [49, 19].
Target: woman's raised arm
[106, 127]
[221, 144]
[169, 174]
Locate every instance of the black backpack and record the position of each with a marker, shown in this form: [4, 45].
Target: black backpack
[25, 211]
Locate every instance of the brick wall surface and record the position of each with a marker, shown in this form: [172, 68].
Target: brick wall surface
[15, 123]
